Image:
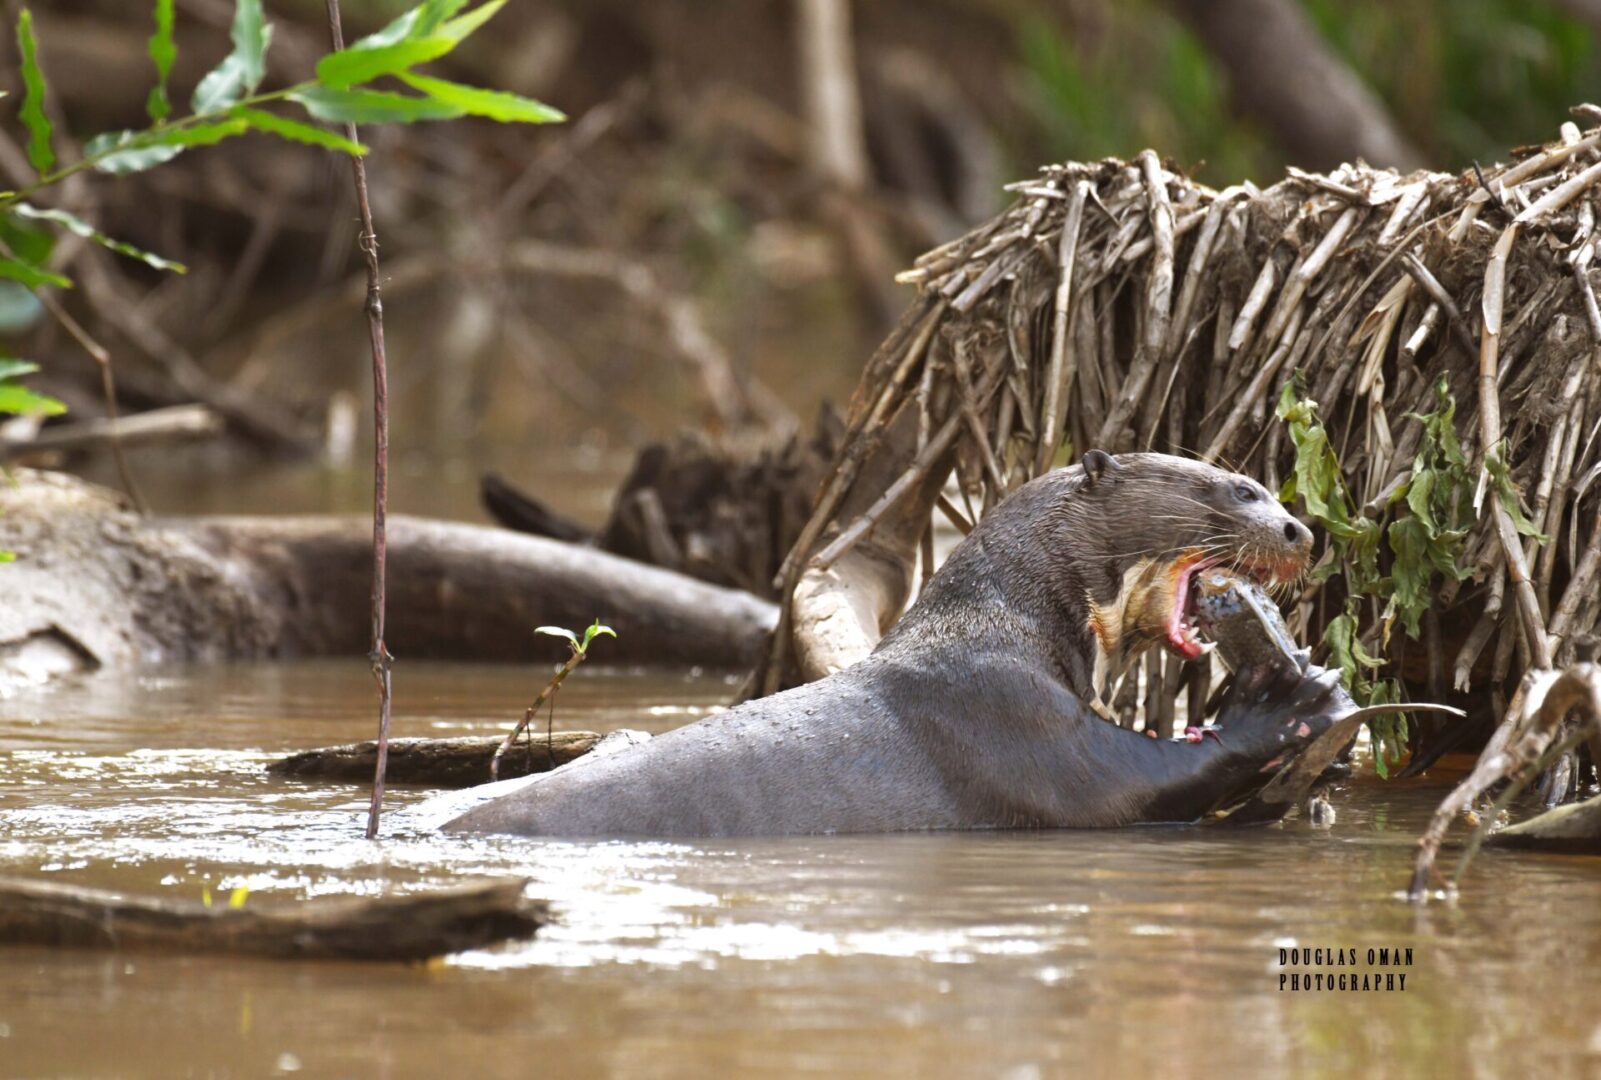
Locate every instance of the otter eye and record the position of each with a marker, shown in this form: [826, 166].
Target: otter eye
[1245, 493]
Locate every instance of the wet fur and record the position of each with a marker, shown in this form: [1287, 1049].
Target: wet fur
[973, 712]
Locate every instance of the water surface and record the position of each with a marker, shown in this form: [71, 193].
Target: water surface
[1013, 955]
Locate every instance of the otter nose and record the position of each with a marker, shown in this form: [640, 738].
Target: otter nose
[1297, 534]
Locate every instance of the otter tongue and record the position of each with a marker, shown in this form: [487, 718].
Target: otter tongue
[1180, 632]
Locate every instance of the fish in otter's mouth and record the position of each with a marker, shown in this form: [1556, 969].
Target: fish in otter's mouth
[1172, 595]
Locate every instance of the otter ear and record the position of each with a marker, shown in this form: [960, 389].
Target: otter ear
[1098, 464]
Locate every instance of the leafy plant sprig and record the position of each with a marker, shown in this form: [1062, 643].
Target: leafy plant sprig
[1428, 519]
[577, 653]
[229, 102]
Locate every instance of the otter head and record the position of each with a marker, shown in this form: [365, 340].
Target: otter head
[1141, 527]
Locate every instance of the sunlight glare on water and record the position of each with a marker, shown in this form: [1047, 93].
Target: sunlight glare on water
[937, 955]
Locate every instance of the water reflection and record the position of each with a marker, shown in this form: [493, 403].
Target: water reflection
[1010, 954]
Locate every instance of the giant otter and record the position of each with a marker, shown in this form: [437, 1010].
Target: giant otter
[975, 711]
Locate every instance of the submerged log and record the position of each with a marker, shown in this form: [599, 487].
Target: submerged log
[121, 589]
[449, 763]
[1572, 829]
[402, 927]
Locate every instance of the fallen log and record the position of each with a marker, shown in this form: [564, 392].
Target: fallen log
[122, 590]
[402, 927]
[447, 763]
[177, 423]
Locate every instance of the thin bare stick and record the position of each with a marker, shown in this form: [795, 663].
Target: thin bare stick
[379, 657]
[1431, 285]
[1059, 376]
[175, 423]
[108, 387]
[574, 658]
[952, 514]
[1490, 438]
[1579, 584]
[937, 445]
[1158, 306]
[1559, 196]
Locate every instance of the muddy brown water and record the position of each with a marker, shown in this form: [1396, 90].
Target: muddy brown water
[1011, 955]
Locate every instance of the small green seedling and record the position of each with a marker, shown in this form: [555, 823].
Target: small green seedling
[578, 650]
[594, 630]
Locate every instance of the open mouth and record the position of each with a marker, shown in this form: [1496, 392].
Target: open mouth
[1183, 629]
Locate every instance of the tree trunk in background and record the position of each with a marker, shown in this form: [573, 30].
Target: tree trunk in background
[828, 88]
[1285, 75]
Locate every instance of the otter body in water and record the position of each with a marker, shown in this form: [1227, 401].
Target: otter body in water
[977, 709]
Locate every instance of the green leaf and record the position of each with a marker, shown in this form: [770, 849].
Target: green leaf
[19, 308]
[420, 22]
[1388, 730]
[8, 556]
[34, 277]
[127, 152]
[1346, 650]
[10, 368]
[82, 228]
[1337, 635]
[162, 53]
[19, 399]
[33, 115]
[362, 62]
[1316, 479]
[370, 106]
[1418, 497]
[133, 151]
[463, 26]
[242, 70]
[1507, 492]
[595, 630]
[495, 104]
[1411, 572]
[432, 14]
[558, 631]
[30, 243]
[295, 131]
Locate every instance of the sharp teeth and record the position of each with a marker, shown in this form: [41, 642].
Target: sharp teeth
[1206, 646]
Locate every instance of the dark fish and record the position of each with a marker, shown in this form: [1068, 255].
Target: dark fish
[1244, 623]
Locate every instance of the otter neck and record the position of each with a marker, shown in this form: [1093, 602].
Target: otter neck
[1045, 601]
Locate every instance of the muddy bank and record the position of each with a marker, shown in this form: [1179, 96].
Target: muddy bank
[96, 585]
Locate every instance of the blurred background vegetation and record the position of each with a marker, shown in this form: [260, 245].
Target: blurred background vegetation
[556, 296]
